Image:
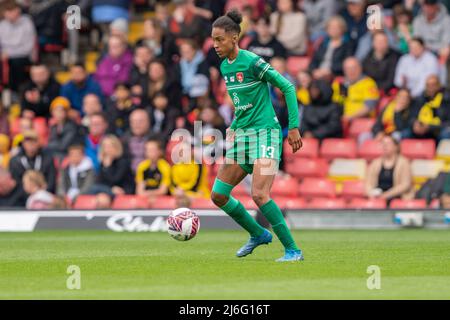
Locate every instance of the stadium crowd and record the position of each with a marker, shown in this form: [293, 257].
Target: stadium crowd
[104, 132]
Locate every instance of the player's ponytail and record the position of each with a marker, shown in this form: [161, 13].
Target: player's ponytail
[230, 22]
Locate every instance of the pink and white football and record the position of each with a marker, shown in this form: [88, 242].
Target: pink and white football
[183, 224]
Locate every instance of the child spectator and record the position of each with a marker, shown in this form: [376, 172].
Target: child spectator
[304, 80]
[78, 176]
[35, 186]
[153, 174]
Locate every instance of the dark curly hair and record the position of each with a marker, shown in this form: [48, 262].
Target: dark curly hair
[229, 22]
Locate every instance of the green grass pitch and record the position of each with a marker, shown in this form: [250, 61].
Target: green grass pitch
[415, 264]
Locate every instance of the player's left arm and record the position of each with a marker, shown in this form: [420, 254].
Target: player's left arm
[265, 72]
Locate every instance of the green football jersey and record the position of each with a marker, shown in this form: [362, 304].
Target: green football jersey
[247, 79]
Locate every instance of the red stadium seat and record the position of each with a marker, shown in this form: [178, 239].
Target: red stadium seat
[85, 202]
[306, 168]
[326, 203]
[130, 202]
[317, 187]
[296, 64]
[408, 204]
[370, 149]
[163, 202]
[359, 126]
[310, 149]
[353, 189]
[418, 148]
[338, 148]
[285, 187]
[290, 203]
[362, 203]
[202, 203]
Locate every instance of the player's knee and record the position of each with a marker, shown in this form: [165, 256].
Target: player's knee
[219, 199]
[260, 197]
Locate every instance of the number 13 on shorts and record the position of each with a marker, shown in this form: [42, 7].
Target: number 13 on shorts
[267, 152]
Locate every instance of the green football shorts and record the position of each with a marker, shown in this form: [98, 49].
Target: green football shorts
[255, 144]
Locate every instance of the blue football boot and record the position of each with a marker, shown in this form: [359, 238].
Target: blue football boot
[291, 255]
[253, 242]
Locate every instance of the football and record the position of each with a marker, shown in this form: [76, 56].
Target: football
[183, 224]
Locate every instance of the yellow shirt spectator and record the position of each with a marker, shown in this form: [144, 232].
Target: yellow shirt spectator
[191, 178]
[153, 177]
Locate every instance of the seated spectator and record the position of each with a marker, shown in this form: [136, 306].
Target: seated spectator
[355, 16]
[78, 176]
[91, 105]
[39, 92]
[380, 63]
[396, 119]
[389, 176]
[433, 119]
[6, 187]
[98, 126]
[304, 80]
[358, 93]
[153, 174]
[321, 118]
[318, 12]
[17, 40]
[34, 184]
[162, 116]
[192, 62]
[414, 68]
[119, 107]
[265, 44]
[160, 42]
[80, 85]
[365, 44]
[289, 26]
[433, 25]
[134, 140]
[4, 151]
[119, 28]
[139, 72]
[189, 177]
[115, 176]
[4, 122]
[327, 61]
[115, 67]
[403, 27]
[25, 124]
[63, 132]
[186, 23]
[31, 157]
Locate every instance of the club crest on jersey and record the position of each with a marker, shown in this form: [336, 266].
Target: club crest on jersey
[240, 76]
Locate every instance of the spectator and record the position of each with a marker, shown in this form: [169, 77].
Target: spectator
[433, 119]
[6, 187]
[34, 184]
[357, 93]
[304, 80]
[396, 119]
[39, 92]
[4, 151]
[355, 16]
[334, 49]
[289, 26]
[162, 116]
[321, 118]
[63, 132]
[25, 124]
[17, 39]
[31, 157]
[389, 176]
[160, 42]
[186, 23]
[192, 62]
[134, 140]
[139, 72]
[78, 176]
[119, 28]
[115, 67]
[256, 6]
[80, 85]
[119, 108]
[380, 63]
[153, 174]
[318, 12]
[91, 105]
[414, 68]
[365, 44]
[433, 25]
[115, 176]
[98, 125]
[4, 122]
[403, 27]
[265, 44]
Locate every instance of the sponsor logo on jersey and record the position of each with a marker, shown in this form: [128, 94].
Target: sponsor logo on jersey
[240, 76]
[232, 79]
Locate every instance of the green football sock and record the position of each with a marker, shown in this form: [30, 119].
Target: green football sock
[236, 210]
[274, 215]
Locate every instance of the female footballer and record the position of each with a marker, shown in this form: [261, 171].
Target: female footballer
[256, 135]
